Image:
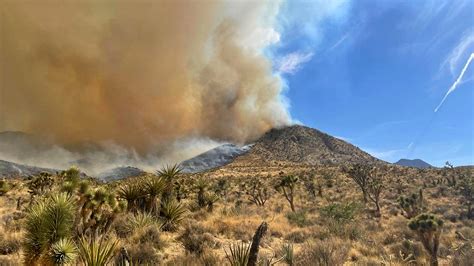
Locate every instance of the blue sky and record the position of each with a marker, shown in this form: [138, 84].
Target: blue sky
[373, 72]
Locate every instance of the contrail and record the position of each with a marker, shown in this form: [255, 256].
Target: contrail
[456, 83]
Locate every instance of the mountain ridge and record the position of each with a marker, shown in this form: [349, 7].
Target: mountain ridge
[418, 163]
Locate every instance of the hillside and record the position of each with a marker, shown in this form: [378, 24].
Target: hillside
[213, 158]
[417, 163]
[9, 169]
[303, 145]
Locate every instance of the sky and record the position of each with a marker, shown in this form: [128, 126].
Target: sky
[374, 72]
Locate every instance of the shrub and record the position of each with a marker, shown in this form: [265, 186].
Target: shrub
[151, 236]
[328, 252]
[298, 218]
[195, 238]
[143, 255]
[9, 245]
[340, 212]
[4, 187]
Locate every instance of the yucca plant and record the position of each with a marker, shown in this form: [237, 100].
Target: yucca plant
[172, 214]
[154, 187]
[97, 252]
[140, 220]
[47, 222]
[63, 252]
[238, 254]
[169, 173]
[288, 254]
[133, 192]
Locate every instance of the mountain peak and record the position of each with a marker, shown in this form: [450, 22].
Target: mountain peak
[301, 144]
[418, 163]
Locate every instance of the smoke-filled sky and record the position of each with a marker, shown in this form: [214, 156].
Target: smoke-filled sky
[139, 73]
[144, 78]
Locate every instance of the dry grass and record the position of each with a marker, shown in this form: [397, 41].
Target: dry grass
[317, 240]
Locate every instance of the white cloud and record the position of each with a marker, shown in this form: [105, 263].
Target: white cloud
[292, 62]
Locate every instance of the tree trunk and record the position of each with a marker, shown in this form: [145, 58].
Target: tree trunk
[433, 260]
[253, 255]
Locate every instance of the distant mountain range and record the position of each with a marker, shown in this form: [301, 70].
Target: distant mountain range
[418, 163]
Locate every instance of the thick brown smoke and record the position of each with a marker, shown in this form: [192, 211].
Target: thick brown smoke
[138, 73]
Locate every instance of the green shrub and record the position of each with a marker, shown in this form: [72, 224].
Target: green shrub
[298, 218]
[340, 212]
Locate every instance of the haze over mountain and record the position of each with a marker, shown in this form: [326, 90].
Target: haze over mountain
[293, 144]
[418, 163]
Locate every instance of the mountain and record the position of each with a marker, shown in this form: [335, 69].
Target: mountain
[303, 145]
[120, 173]
[417, 163]
[9, 169]
[216, 157]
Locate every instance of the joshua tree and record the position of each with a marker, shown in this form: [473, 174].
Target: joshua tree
[450, 174]
[257, 191]
[412, 205]
[361, 173]
[48, 222]
[204, 198]
[467, 193]
[429, 229]
[40, 184]
[375, 188]
[369, 181]
[286, 186]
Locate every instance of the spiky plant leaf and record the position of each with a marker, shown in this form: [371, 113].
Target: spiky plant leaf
[47, 222]
[140, 220]
[98, 252]
[238, 254]
[63, 252]
[172, 214]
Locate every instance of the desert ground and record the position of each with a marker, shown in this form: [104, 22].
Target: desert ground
[210, 218]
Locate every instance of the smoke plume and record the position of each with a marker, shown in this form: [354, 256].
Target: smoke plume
[139, 74]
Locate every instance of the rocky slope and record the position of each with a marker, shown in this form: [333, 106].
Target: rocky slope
[216, 157]
[9, 169]
[303, 145]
